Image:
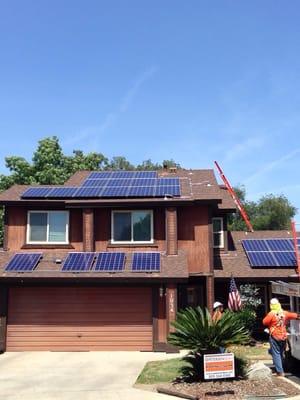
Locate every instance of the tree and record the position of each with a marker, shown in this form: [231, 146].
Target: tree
[250, 302]
[119, 162]
[270, 212]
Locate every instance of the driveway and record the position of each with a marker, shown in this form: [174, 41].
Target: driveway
[74, 376]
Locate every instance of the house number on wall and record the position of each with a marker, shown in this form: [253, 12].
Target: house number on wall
[172, 303]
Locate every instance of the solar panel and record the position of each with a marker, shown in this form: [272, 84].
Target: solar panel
[285, 259]
[146, 174]
[23, 262]
[78, 262]
[168, 181]
[141, 191]
[143, 182]
[280, 244]
[123, 174]
[36, 192]
[88, 192]
[117, 191]
[100, 175]
[270, 252]
[163, 190]
[95, 182]
[62, 192]
[113, 184]
[261, 259]
[110, 262]
[120, 182]
[145, 262]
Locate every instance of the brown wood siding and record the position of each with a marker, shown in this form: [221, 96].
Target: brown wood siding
[79, 319]
[193, 237]
[16, 231]
[76, 229]
[17, 225]
[102, 223]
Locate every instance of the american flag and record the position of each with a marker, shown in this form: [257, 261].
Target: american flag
[234, 298]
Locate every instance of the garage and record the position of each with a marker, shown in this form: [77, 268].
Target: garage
[79, 318]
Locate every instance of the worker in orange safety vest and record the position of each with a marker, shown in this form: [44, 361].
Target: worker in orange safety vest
[276, 321]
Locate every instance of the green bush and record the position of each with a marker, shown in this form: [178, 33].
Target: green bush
[247, 318]
[197, 332]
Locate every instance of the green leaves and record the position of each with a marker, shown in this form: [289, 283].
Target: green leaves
[268, 213]
[196, 331]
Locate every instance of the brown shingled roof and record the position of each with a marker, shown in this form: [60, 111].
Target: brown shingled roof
[171, 267]
[195, 185]
[235, 262]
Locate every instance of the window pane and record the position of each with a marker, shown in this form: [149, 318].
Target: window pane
[217, 225]
[141, 226]
[38, 227]
[57, 227]
[217, 239]
[122, 227]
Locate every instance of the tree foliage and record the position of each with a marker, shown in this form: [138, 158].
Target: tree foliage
[270, 212]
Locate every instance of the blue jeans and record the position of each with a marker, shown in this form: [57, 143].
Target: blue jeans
[277, 351]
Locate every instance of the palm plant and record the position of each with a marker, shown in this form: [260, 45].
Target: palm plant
[197, 332]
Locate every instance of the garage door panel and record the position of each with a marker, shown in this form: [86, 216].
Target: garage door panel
[79, 319]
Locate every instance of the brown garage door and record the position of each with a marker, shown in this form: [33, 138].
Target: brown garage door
[70, 319]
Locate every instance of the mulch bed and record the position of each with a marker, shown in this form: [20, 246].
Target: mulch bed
[228, 390]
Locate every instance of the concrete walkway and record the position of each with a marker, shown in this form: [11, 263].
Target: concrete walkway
[74, 376]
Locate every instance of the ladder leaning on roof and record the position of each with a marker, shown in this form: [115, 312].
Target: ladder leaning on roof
[296, 247]
[235, 198]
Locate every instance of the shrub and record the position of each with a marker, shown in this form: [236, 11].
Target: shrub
[197, 332]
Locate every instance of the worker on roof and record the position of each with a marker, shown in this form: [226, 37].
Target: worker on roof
[218, 309]
[276, 321]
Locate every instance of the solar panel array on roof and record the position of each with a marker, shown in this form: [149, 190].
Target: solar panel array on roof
[23, 262]
[146, 262]
[270, 252]
[113, 184]
[110, 262]
[78, 262]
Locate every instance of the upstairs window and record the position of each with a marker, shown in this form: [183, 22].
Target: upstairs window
[218, 232]
[48, 227]
[132, 226]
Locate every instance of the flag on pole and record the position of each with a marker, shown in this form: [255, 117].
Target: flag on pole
[234, 298]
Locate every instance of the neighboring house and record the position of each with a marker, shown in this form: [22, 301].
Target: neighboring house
[114, 297]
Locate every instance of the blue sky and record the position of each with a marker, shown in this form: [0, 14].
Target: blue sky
[190, 80]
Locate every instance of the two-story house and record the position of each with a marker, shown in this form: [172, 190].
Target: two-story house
[104, 261]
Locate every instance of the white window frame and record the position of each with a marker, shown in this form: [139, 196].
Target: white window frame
[221, 246]
[133, 242]
[48, 212]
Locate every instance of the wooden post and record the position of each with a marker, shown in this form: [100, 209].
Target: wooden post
[171, 231]
[88, 229]
[210, 292]
[5, 233]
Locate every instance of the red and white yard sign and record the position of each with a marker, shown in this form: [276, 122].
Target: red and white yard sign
[219, 366]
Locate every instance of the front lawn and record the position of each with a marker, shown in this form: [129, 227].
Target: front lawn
[168, 370]
[160, 371]
[252, 353]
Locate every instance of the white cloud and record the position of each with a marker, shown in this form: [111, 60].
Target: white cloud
[243, 148]
[91, 133]
[272, 165]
